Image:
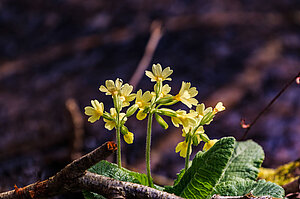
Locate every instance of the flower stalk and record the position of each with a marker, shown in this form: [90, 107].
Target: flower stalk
[118, 135]
[188, 152]
[148, 148]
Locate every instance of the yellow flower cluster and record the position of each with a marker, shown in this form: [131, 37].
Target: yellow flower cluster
[150, 102]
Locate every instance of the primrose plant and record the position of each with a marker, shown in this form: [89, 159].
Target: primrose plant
[153, 104]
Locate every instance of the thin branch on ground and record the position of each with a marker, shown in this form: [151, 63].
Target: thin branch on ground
[156, 34]
[74, 177]
[269, 105]
[61, 182]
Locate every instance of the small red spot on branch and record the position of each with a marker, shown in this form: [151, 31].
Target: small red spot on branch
[244, 125]
[112, 146]
[18, 190]
[298, 80]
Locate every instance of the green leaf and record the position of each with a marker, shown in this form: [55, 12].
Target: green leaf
[242, 187]
[245, 161]
[113, 171]
[206, 171]
[228, 168]
[241, 174]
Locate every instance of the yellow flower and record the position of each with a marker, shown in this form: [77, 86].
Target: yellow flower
[218, 108]
[142, 101]
[209, 144]
[186, 120]
[182, 147]
[158, 74]
[110, 124]
[129, 137]
[125, 95]
[95, 111]
[186, 94]
[111, 87]
[200, 109]
[164, 91]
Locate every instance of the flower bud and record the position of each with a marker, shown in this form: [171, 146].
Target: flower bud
[117, 103]
[161, 121]
[166, 100]
[107, 116]
[129, 137]
[196, 140]
[207, 118]
[204, 137]
[167, 112]
[124, 130]
[157, 88]
[131, 110]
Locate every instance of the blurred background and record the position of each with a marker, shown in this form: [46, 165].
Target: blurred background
[55, 54]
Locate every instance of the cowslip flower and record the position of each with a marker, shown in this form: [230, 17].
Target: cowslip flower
[142, 101]
[158, 74]
[209, 144]
[218, 108]
[111, 87]
[129, 137]
[201, 110]
[186, 94]
[110, 124]
[95, 111]
[183, 147]
[125, 95]
[187, 120]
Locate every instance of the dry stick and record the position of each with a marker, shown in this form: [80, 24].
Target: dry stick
[269, 105]
[112, 188]
[78, 130]
[74, 177]
[60, 182]
[156, 35]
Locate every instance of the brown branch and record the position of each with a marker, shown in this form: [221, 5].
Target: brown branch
[61, 182]
[112, 188]
[156, 35]
[292, 187]
[269, 105]
[74, 177]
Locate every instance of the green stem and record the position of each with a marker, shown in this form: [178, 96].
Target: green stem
[118, 135]
[187, 158]
[148, 145]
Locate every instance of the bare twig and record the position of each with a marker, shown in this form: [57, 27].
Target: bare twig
[63, 180]
[156, 35]
[269, 105]
[78, 130]
[112, 188]
[74, 177]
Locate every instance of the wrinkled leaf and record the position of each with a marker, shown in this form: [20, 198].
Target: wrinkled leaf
[206, 170]
[242, 187]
